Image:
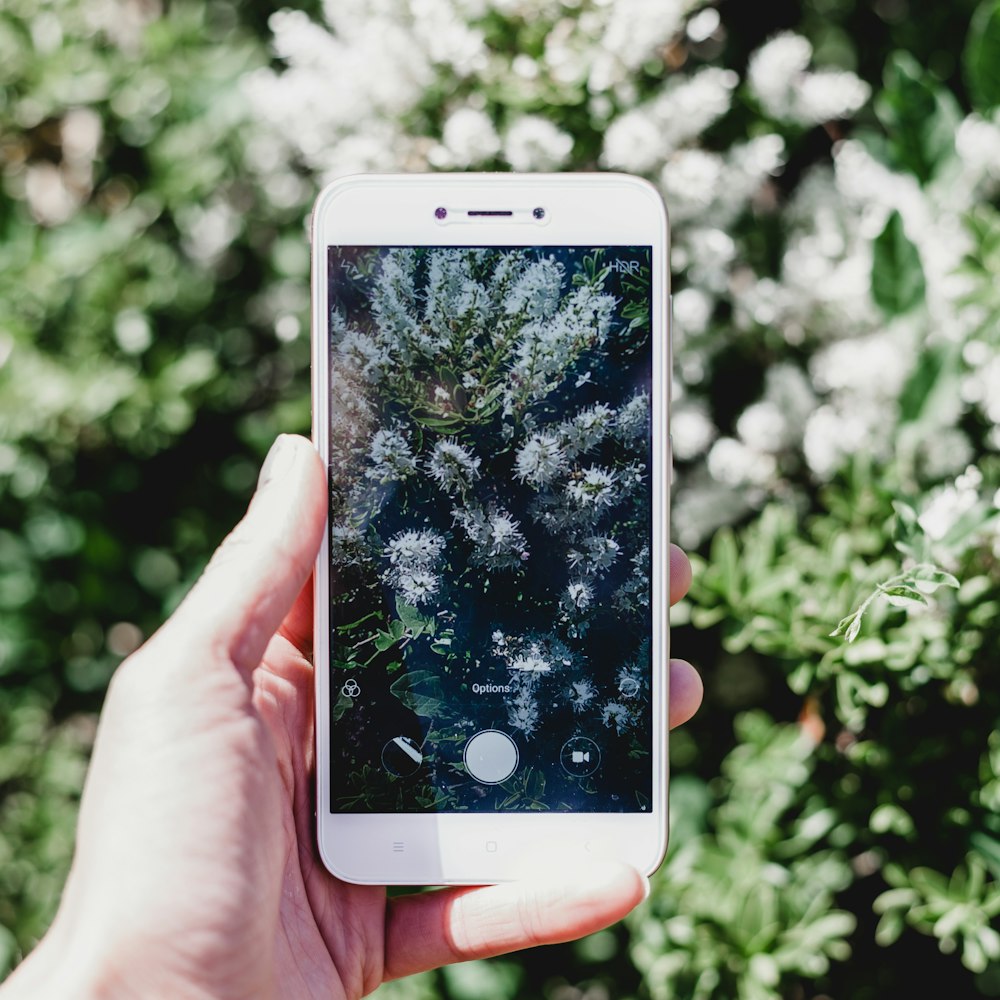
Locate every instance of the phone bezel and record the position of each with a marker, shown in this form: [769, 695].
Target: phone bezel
[580, 209]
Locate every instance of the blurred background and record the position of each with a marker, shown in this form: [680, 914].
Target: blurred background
[832, 170]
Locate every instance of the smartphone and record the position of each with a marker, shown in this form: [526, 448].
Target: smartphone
[490, 395]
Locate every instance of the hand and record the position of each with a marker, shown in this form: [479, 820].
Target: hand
[195, 873]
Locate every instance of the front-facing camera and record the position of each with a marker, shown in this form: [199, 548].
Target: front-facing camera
[539, 213]
[440, 213]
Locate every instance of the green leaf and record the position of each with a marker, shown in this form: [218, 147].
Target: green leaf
[931, 393]
[981, 58]
[898, 284]
[901, 596]
[384, 641]
[850, 626]
[919, 115]
[421, 692]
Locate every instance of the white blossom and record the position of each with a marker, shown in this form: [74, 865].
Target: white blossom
[594, 488]
[779, 77]
[540, 460]
[587, 429]
[499, 541]
[733, 462]
[594, 555]
[579, 595]
[390, 455]
[618, 715]
[413, 557]
[691, 430]
[534, 143]
[453, 467]
[581, 694]
[469, 137]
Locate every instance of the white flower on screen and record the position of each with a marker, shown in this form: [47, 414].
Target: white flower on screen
[390, 455]
[394, 299]
[587, 429]
[594, 488]
[546, 348]
[522, 712]
[594, 556]
[632, 420]
[414, 549]
[452, 295]
[413, 556]
[617, 715]
[540, 460]
[534, 143]
[497, 536]
[530, 662]
[579, 595]
[368, 357]
[417, 586]
[581, 694]
[453, 467]
[535, 291]
[345, 543]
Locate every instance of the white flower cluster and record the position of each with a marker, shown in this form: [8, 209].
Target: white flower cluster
[780, 78]
[453, 467]
[531, 654]
[548, 346]
[413, 557]
[391, 455]
[594, 555]
[497, 536]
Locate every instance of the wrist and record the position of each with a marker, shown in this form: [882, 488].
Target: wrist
[50, 972]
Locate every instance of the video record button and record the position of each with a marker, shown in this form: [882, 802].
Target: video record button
[580, 756]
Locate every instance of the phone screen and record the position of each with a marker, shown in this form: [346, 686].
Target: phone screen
[490, 528]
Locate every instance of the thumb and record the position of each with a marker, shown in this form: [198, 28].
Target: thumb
[256, 574]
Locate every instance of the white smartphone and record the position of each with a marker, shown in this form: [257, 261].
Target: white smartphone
[490, 395]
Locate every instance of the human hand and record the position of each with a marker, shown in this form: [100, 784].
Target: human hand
[195, 872]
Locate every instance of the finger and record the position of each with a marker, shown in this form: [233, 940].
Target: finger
[297, 627]
[427, 930]
[255, 575]
[680, 573]
[686, 691]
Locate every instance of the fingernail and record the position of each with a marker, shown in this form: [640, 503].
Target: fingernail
[278, 461]
[647, 888]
